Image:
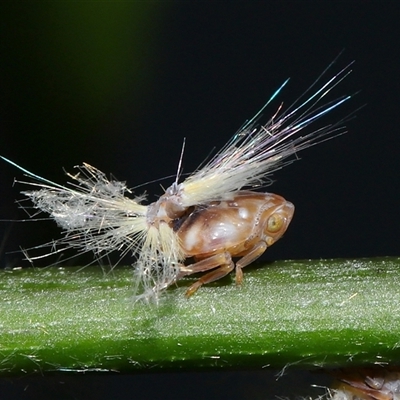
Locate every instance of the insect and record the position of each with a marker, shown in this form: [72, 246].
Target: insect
[211, 217]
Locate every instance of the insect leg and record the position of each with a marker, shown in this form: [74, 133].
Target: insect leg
[248, 258]
[221, 260]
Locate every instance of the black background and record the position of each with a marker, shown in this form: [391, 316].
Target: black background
[120, 84]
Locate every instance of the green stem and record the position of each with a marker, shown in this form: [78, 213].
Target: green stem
[309, 313]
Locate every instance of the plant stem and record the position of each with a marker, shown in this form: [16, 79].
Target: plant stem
[308, 313]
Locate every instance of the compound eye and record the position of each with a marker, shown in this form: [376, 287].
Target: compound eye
[275, 223]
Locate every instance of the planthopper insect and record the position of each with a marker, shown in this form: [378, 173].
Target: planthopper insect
[210, 218]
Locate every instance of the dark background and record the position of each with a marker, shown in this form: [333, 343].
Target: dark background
[120, 84]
